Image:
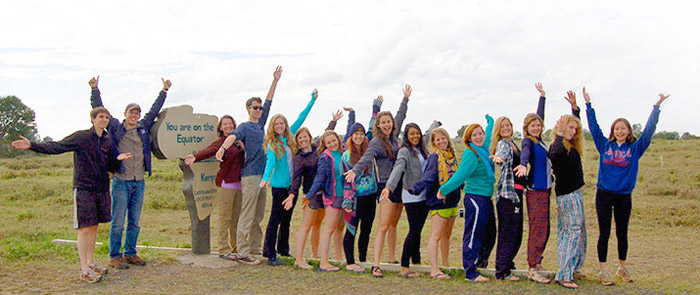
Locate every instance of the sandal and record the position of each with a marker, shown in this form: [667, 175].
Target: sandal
[410, 274]
[330, 269]
[356, 269]
[441, 276]
[479, 279]
[229, 256]
[303, 265]
[533, 275]
[377, 272]
[568, 284]
[512, 278]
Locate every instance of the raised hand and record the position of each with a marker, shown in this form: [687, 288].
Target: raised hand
[288, 202]
[189, 159]
[94, 81]
[586, 97]
[380, 98]
[124, 156]
[571, 98]
[407, 91]
[278, 73]
[21, 144]
[337, 115]
[166, 84]
[561, 124]
[538, 85]
[662, 97]
[348, 109]
[314, 93]
[520, 171]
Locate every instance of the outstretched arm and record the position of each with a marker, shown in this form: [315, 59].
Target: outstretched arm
[302, 117]
[150, 117]
[571, 98]
[598, 138]
[645, 139]
[403, 108]
[376, 108]
[275, 78]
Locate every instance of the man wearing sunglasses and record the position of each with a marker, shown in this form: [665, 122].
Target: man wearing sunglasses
[252, 134]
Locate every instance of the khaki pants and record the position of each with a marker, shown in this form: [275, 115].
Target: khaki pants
[229, 203]
[249, 236]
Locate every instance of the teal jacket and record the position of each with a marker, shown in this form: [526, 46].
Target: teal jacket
[278, 171]
[472, 171]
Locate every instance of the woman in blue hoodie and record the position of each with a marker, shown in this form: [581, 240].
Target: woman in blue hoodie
[617, 176]
[281, 147]
[330, 180]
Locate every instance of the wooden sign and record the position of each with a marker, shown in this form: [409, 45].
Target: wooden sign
[176, 133]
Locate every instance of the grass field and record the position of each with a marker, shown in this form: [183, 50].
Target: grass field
[36, 207]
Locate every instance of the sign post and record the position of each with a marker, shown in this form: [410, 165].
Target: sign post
[177, 133]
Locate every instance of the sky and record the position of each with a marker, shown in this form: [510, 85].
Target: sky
[464, 59]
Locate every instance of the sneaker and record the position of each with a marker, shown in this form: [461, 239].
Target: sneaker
[248, 260]
[606, 278]
[624, 274]
[90, 276]
[274, 261]
[97, 269]
[118, 263]
[135, 260]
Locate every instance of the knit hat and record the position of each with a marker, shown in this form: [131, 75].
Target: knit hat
[356, 127]
[132, 106]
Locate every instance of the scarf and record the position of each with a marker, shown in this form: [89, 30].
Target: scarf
[447, 165]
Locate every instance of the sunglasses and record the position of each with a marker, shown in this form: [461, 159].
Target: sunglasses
[257, 108]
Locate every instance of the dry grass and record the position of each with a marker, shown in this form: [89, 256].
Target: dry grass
[35, 207]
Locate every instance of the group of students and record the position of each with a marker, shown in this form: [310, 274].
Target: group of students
[341, 180]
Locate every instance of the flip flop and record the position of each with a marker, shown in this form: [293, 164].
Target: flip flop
[329, 269]
[410, 275]
[356, 270]
[229, 256]
[441, 276]
[568, 284]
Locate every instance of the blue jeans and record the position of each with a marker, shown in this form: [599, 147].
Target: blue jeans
[127, 196]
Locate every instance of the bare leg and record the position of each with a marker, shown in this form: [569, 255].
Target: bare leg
[445, 242]
[319, 214]
[332, 217]
[437, 232]
[338, 239]
[384, 221]
[395, 211]
[86, 235]
[301, 237]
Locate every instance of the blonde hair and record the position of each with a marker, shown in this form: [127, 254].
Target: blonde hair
[444, 133]
[466, 138]
[322, 147]
[496, 136]
[273, 141]
[529, 118]
[577, 141]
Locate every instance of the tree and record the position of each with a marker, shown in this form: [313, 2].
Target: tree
[666, 135]
[460, 132]
[688, 135]
[517, 135]
[15, 119]
[637, 130]
[587, 135]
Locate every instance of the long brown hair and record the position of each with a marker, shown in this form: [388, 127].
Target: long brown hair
[218, 126]
[631, 138]
[385, 140]
[303, 130]
[466, 138]
[322, 146]
[356, 151]
[273, 141]
[528, 119]
[496, 135]
[577, 141]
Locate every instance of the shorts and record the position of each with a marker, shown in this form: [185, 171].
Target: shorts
[316, 202]
[394, 197]
[91, 208]
[446, 213]
[336, 203]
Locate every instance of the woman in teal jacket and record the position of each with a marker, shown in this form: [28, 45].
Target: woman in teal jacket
[477, 170]
[281, 147]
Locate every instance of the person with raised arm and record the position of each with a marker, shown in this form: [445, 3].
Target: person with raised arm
[407, 170]
[363, 204]
[337, 193]
[281, 147]
[305, 165]
[477, 170]
[94, 157]
[252, 134]
[509, 197]
[228, 186]
[566, 152]
[617, 177]
[382, 150]
[128, 184]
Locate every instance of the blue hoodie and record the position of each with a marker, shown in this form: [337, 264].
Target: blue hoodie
[619, 164]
